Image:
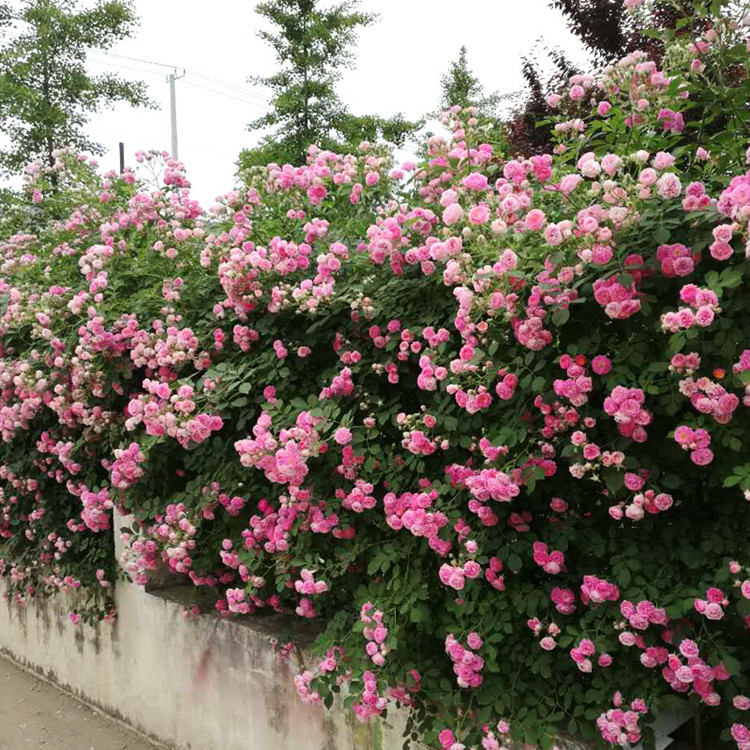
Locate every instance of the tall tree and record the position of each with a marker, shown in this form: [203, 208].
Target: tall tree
[46, 93]
[609, 31]
[459, 85]
[313, 45]
[604, 26]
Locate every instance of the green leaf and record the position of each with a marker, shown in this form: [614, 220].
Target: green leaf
[560, 317]
[661, 235]
[676, 343]
[624, 577]
[731, 278]
[614, 479]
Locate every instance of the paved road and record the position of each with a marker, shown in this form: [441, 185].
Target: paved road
[33, 714]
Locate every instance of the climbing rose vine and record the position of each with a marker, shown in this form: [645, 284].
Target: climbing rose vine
[483, 419]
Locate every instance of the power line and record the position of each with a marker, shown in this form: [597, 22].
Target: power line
[119, 66]
[138, 59]
[239, 89]
[221, 93]
[211, 79]
[197, 73]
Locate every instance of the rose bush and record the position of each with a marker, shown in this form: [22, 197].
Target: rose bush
[485, 418]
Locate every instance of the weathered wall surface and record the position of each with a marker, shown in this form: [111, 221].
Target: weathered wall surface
[201, 684]
[192, 684]
[198, 684]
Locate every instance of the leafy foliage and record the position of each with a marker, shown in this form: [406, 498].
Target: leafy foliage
[312, 45]
[487, 425]
[46, 93]
[604, 26]
[459, 86]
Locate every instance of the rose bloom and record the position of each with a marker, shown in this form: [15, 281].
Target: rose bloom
[702, 456]
[669, 185]
[534, 220]
[472, 569]
[601, 365]
[453, 214]
[342, 436]
[479, 214]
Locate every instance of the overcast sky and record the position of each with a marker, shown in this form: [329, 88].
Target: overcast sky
[400, 59]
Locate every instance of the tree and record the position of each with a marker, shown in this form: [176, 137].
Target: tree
[460, 86]
[46, 93]
[354, 129]
[609, 31]
[523, 133]
[604, 26]
[312, 46]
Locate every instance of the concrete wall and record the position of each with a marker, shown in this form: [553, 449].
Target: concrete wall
[201, 684]
[192, 684]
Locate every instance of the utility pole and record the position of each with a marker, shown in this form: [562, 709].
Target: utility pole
[172, 77]
[122, 157]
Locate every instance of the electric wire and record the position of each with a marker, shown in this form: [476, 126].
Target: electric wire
[14, 35]
[221, 93]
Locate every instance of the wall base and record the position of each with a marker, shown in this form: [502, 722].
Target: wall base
[200, 684]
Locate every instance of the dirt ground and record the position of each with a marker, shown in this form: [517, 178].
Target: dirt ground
[33, 714]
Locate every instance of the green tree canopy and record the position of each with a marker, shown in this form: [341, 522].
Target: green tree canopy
[460, 86]
[46, 93]
[313, 45]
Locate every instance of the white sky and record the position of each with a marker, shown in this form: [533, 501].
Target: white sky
[400, 60]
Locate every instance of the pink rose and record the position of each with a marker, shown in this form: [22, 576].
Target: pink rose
[472, 569]
[534, 220]
[448, 197]
[704, 316]
[452, 214]
[475, 181]
[721, 250]
[446, 738]
[342, 436]
[601, 365]
[479, 214]
[647, 177]
[669, 185]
